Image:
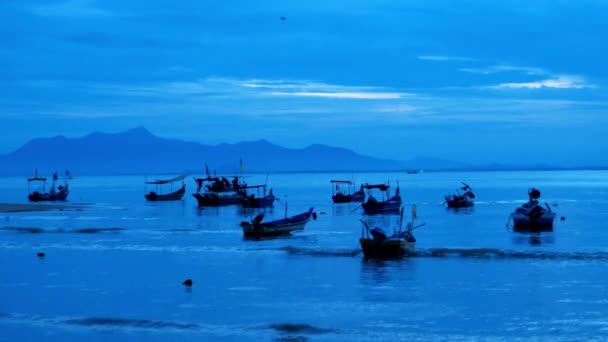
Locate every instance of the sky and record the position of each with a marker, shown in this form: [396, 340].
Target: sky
[516, 82]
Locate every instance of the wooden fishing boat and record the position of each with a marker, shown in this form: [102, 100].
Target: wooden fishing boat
[532, 216]
[220, 192]
[458, 200]
[155, 196]
[387, 205]
[376, 244]
[343, 191]
[59, 193]
[263, 201]
[258, 228]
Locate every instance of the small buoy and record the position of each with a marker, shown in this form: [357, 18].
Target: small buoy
[562, 218]
[187, 282]
[314, 216]
[40, 254]
[282, 18]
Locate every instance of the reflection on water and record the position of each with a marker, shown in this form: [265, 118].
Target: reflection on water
[465, 211]
[346, 209]
[533, 239]
[378, 271]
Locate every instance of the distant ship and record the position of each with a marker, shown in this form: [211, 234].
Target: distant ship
[413, 171]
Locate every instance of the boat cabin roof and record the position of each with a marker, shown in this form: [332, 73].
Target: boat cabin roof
[167, 181]
[382, 187]
[341, 181]
[254, 186]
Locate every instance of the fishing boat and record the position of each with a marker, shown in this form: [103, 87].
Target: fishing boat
[225, 193]
[155, 196]
[531, 215]
[59, 193]
[458, 200]
[343, 191]
[258, 228]
[376, 244]
[262, 200]
[389, 204]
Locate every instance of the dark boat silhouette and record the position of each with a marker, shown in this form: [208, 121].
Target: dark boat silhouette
[343, 191]
[531, 215]
[59, 193]
[258, 228]
[390, 204]
[177, 195]
[458, 200]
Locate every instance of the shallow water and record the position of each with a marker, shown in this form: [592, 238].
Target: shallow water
[114, 270]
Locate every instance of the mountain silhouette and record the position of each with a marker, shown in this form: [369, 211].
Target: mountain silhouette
[137, 151]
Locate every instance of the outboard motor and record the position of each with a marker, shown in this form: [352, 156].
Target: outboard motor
[378, 234]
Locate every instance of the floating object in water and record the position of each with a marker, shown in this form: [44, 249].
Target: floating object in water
[533, 216]
[40, 254]
[283, 18]
[562, 218]
[459, 200]
[187, 282]
[314, 215]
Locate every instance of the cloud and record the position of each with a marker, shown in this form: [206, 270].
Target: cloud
[71, 9]
[494, 69]
[439, 58]
[559, 82]
[321, 90]
[343, 95]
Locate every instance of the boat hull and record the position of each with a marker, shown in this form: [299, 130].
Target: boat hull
[355, 197]
[381, 207]
[174, 196]
[47, 197]
[522, 222]
[387, 249]
[278, 227]
[459, 203]
[53, 196]
[261, 202]
[216, 200]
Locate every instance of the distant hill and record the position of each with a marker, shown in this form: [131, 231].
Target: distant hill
[137, 151]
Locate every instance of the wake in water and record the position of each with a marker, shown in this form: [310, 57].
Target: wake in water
[475, 253]
[34, 230]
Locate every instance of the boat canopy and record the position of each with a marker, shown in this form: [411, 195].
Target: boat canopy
[40, 179]
[253, 186]
[167, 181]
[382, 187]
[341, 181]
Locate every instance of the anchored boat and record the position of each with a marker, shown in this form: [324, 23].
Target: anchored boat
[532, 215]
[343, 191]
[154, 196]
[376, 244]
[219, 192]
[387, 205]
[263, 201]
[59, 193]
[464, 200]
[258, 228]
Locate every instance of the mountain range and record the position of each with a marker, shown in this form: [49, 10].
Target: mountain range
[137, 151]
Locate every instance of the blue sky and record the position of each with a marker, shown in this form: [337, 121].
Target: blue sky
[518, 82]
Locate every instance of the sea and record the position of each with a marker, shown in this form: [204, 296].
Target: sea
[113, 268]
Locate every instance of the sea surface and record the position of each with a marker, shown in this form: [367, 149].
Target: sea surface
[113, 271]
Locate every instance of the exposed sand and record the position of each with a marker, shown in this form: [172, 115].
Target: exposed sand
[19, 207]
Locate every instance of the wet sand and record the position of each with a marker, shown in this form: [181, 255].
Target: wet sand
[24, 207]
